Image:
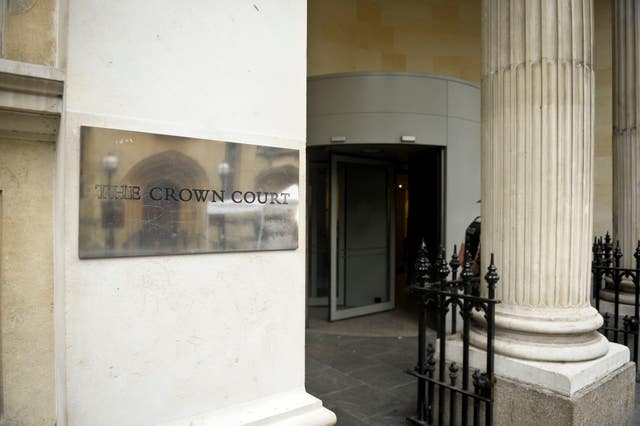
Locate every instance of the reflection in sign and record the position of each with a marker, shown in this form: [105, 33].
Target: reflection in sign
[148, 194]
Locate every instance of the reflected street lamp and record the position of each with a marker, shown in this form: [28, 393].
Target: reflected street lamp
[224, 170]
[110, 164]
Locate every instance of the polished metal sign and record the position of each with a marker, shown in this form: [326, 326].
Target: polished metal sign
[148, 194]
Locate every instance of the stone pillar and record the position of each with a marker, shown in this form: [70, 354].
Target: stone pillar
[626, 150]
[537, 177]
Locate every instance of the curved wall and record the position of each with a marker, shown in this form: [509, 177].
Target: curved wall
[380, 108]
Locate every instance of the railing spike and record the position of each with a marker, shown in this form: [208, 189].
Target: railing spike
[443, 267]
[617, 254]
[454, 263]
[466, 274]
[422, 266]
[492, 277]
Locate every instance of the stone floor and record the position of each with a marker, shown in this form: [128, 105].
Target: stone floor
[360, 376]
[362, 379]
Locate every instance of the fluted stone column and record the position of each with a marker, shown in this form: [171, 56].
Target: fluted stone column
[626, 150]
[537, 176]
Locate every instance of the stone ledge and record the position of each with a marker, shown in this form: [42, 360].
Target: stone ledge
[31, 88]
[285, 409]
[25, 69]
[564, 378]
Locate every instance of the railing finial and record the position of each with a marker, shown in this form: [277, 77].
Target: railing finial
[422, 266]
[492, 277]
[617, 253]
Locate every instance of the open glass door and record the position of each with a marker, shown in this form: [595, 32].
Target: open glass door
[362, 237]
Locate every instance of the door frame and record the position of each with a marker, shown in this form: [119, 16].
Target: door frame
[334, 313]
[312, 260]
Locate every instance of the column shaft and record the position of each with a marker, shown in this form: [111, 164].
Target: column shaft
[537, 175]
[626, 151]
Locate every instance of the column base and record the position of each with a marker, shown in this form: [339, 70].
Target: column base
[626, 295]
[545, 348]
[284, 409]
[623, 309]
[626, 284]
[625, 298]
[537, 334]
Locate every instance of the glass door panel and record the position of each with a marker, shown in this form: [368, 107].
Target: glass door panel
[362, 237]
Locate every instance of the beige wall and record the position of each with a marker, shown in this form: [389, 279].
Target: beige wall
[442, 37]
[26, 284]
[31, 32]
[428, 36]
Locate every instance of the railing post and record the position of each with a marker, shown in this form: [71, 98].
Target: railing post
[453, 375]
[617, 283]
[466, 276]
[443, 272]
[454, 264]
[431, 366]
[636, 311]
[633, 325]
[596, 271]
[477, 390]
[422, 268]
[492, 279]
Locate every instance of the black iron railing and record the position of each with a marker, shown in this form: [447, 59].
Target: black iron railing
[619, 286]
[436, 293]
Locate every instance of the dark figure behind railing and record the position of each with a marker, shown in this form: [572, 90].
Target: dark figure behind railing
[612, 282]
[435, 294]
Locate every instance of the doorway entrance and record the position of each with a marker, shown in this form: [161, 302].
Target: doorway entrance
[369, 206]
